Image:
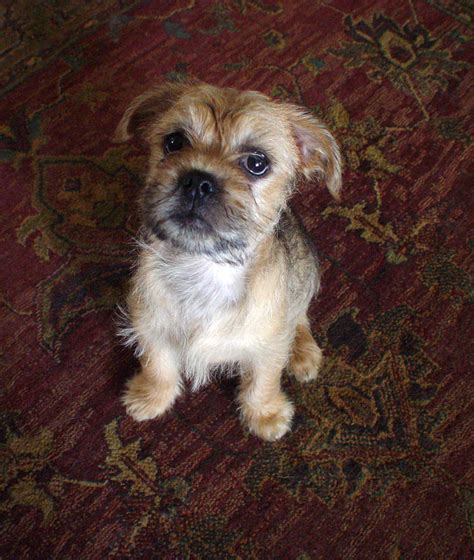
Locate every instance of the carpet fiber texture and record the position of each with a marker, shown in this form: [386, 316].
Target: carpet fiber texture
[379, 462]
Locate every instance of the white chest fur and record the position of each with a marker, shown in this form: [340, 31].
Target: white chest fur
[199, 286]
[194, 303]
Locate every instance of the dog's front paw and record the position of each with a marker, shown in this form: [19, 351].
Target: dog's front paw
[271, 421]
[147, 398]
[307, 357]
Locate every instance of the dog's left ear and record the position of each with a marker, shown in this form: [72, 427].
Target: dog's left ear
[144, 109]
[318, 150]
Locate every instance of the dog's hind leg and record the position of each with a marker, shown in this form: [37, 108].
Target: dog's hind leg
[306, 356]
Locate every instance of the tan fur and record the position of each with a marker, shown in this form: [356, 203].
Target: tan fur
[306, 356]
[239, 298]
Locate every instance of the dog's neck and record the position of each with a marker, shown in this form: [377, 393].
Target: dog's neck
[198, 282]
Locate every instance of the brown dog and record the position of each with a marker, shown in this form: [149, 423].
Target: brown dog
[225, 274]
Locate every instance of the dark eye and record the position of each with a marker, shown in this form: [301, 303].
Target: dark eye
[256, 164]
[174, 142]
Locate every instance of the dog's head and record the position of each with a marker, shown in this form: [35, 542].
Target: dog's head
[223, 163]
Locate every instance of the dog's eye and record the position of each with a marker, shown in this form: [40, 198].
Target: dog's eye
[174, 142]
[256, 164]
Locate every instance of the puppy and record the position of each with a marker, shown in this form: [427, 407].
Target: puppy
[225, 273]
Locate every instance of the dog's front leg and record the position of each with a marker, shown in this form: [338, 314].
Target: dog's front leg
[154, 389]
[264, 408]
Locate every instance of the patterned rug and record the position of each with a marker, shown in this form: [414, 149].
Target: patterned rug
[379, 462]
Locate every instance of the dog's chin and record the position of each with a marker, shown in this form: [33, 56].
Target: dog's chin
[194, 235]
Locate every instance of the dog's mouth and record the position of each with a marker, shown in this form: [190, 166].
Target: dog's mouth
[192, 221]
[192, 233]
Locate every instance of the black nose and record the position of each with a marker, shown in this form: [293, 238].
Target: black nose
[197, 186]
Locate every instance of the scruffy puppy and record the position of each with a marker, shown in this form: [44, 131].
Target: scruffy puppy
[225, 274]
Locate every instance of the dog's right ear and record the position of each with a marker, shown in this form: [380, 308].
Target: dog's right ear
[318, 149]
[144, 109]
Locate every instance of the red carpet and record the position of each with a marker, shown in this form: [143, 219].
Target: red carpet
[379, 463]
